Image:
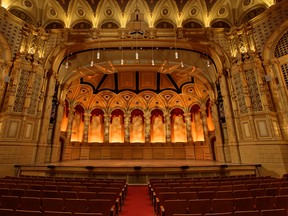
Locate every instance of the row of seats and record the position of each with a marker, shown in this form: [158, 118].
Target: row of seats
[222, 180]
[205, 206]
[177, 193]
[218, 195]
[105, 206]
[61, 193]
[64, 196]
[270, 212]
[11, 212]
[215, 178]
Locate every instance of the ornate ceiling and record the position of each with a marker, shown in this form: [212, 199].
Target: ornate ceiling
[150, 65]
[117, 13]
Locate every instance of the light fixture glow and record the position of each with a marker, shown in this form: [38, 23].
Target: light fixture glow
[66, 64]
[98, 55]
[122, 61]
[176, 54]
[92, 63]
[137, 55]
[153, 62]
[182, 64]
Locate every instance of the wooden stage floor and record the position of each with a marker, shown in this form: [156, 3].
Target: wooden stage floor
[138, 171]
[142, 163]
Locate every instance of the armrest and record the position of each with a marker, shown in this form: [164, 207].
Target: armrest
[157, 205]
[113, 211]
[162, 211]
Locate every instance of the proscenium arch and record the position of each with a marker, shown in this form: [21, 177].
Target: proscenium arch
[7, 53]
[77, 48]
[270, 46]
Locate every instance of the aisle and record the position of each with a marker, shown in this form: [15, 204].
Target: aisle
[137, 202]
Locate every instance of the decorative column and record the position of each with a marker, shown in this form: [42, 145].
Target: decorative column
[245, 89]
[279, 95]
[87, 116]
[106, 127]
[56, 147]
[43, 149]
[168, 128]
[127, 128]
[188, 127]
[231, 131]
[29, 90]
[205, 127]
[218, 133]
[5, 82]
[70, 124]
[147, 116]
[12, 88]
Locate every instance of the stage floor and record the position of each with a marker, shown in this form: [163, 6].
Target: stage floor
[137, 171]
[142, 163]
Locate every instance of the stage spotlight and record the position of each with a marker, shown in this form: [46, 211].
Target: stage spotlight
[51, 167]
[89, 167]
[137, 168]
[184, 167]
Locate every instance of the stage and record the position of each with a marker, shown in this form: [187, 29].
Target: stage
[137, 171]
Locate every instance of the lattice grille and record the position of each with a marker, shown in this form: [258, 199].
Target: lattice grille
[221, 39]
[53, 41]
[253, 90]
[282, 46]
[12, 34]
[263, 30]
[284, 69]
[21, 92]
[240, 93]
[35, 94]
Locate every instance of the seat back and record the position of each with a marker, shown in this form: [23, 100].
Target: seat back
[247, 213]
[244, 203]
[30, 203]
[104, 206]
[199, 206]
[76, 205]
[281, 201]
[273, 212]
[264, 202]
[10, 202]
[172, 207]
[52, 204]
[6, 212]
[56, 213]
[21, 212]
[223, 205]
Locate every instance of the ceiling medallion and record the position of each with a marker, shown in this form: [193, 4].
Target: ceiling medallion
[222, 10]
[52, 12]
[246, 2]
[165, 12]
[108, 12]
[28, 3]
[80, 12]
[194, 11]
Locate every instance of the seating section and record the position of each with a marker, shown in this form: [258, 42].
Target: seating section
[245, 195]
[47, 196]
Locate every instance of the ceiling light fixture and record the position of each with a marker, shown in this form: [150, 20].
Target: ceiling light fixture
[122, 52]
[176, 52]
[98, 52]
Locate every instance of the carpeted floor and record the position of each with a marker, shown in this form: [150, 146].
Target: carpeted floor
[137, 202]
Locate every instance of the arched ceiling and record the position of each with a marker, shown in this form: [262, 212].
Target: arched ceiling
[95, 13]
[78, 20]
